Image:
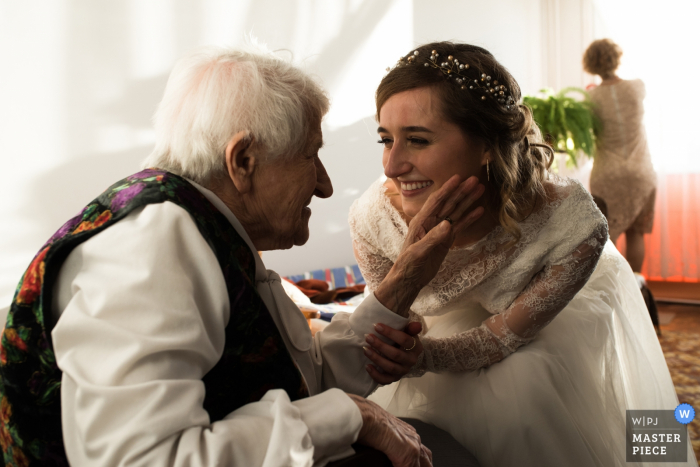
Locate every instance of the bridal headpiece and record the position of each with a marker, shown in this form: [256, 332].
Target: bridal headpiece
[466, 77]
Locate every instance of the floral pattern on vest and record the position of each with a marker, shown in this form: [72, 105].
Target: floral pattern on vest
[254, 360]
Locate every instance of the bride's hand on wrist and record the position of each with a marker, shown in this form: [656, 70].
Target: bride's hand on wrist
[392, 362]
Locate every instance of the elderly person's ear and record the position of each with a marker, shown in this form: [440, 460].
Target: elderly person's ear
[241, 160]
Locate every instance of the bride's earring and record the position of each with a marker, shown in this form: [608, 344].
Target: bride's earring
[488, 175]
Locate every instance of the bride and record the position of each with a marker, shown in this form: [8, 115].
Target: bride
[537, 337]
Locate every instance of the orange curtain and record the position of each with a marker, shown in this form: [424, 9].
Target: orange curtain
[673, 247]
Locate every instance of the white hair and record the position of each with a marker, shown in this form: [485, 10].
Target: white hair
[214, 93]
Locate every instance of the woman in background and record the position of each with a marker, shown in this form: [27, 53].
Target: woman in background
[623, 175]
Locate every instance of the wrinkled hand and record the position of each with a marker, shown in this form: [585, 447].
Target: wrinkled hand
[391, 363]
[428, 241]
[395, 438]
[451, 200]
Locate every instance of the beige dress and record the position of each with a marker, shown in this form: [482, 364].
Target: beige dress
[623, 175]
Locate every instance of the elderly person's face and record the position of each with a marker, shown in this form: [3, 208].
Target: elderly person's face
[272, 199]
[288, 185]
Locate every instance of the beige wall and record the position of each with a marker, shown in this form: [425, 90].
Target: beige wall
[80, 81]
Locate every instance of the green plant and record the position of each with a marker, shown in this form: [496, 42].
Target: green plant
[568, 124]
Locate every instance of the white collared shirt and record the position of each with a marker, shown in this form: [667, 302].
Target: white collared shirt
[141, 312]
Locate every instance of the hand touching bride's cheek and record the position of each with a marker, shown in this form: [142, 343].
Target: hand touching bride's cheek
[422, 149]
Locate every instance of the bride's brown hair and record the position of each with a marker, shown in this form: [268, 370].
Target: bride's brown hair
[520, 159]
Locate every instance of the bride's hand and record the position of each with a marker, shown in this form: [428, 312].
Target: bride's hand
[431, 233]
[391, 363]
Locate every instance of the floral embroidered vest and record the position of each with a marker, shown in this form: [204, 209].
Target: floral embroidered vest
[254, 360]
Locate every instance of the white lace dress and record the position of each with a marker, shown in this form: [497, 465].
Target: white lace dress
[533, 351]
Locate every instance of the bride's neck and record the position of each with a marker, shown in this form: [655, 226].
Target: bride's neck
[489, 220]
[480, 228]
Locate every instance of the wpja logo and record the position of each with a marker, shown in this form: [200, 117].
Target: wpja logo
[658, 435]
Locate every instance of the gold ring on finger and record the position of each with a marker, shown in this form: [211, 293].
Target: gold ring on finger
[414, 344]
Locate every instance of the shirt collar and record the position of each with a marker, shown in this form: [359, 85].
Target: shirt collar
[260, 269]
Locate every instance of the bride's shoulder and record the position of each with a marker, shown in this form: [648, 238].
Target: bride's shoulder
[570, 207]
[567, 192]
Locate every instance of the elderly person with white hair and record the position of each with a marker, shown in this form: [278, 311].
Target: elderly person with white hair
[147, 331]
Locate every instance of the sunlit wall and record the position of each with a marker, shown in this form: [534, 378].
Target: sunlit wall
[80, 80]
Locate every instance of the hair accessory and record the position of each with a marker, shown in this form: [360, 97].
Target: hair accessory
[456, 71]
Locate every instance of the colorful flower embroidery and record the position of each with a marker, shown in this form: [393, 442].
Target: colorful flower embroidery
[14, 344]
[14, 339]
[5, 411]
[33, 278]
[5, 438]
[18, 457]
[90, 225]
[125, 195]
[254, 359]
[148, 175]
[12, 454]
[65, 228]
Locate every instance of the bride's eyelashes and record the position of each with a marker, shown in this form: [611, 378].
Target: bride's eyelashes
[413, 141]
[387, 142]
[418, 141]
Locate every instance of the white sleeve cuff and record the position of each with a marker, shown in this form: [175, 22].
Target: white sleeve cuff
[334, 422]
[371, 312]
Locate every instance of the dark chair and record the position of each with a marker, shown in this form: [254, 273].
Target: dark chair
[447, 452]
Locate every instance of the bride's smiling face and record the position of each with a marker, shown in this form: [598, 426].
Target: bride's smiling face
[422, 149]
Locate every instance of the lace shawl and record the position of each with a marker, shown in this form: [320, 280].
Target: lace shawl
[524, 286]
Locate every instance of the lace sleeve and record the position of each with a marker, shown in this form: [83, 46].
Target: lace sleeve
[374, 266]
[377, 232]
[545, 296]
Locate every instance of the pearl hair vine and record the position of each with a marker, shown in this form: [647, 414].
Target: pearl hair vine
[456, 71]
